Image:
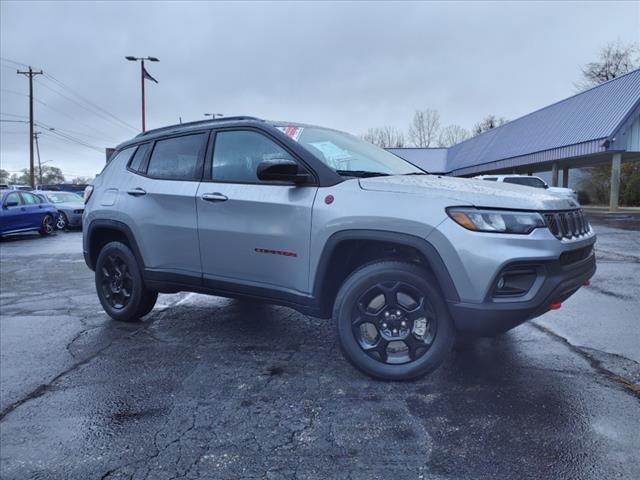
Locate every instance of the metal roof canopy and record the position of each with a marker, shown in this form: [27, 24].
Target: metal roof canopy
[432, 160]
[605, 118]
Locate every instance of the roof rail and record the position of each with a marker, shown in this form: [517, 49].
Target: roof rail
[199, 122]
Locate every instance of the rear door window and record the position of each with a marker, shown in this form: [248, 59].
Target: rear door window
[30, 199]
[177, 158]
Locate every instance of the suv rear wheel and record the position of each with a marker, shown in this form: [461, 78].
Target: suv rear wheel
[119, 284]
[392, 321]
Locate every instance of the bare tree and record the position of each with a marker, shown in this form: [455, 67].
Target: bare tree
[372, 135]
[424, 128]
[615, 59]
[81, 180]
[392, 138]
[452, 134]
[487, 123]
[385, 137]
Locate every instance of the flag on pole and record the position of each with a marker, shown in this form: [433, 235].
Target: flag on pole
[147, 76]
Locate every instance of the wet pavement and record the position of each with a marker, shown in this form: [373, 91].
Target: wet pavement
[214, 388]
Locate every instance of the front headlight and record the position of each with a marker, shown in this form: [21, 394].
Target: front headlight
[496, 221]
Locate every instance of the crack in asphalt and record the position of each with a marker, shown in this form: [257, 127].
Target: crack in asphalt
[628, 385]
[46, 387]
[609, 293]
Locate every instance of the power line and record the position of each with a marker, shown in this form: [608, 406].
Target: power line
[83, 103]
[73, 139]
[51, 128]
[67, 88]
[70, 117]
[13, 115]
[18, 64]
[22, 95]
[85, 107]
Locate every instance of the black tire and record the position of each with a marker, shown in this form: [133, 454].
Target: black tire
[422, 324]
[119, 284]
[47, 227]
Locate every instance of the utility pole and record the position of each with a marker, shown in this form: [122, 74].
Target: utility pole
[30, 74]
[35, 137]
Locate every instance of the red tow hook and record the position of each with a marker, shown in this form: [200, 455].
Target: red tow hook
[586, 283]
[555, 305]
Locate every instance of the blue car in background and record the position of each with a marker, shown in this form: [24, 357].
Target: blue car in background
[25, 212]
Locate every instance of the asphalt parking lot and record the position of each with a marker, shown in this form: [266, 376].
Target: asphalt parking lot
[212, 388]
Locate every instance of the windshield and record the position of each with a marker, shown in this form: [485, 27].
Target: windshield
[62, 197]
[348, 155]
[527, 181]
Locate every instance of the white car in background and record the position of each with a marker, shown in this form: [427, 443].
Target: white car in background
[531, 181]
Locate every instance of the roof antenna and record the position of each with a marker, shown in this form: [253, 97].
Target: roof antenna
[180, 118]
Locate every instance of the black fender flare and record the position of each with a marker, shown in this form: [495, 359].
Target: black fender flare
[435, 262]
[113, 225]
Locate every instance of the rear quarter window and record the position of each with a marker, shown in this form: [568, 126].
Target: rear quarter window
[136, 163]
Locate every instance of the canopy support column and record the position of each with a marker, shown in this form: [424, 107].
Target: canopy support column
[554, 174]
[616, 161]
[565, 177]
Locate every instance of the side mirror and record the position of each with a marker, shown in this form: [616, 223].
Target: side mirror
[11, 204]
[281, 170]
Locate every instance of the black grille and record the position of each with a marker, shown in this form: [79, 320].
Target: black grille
[573, 256]
[567, 224]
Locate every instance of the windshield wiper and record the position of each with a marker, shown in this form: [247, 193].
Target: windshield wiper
[361, 173]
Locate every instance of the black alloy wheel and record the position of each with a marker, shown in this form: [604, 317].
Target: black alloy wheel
[47, 225]
[393, 322]
[117, 282]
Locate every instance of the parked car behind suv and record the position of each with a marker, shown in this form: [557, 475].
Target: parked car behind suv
[531, 181]
[323, 222]
[69, 205]
[25, 212]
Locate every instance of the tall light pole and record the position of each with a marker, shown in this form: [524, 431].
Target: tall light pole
[142, 78]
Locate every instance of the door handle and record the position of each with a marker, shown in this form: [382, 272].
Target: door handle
[136, 192]
[214, 197]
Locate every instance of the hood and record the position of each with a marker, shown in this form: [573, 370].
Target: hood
[69, 205]
[470, 191]
[561, 190]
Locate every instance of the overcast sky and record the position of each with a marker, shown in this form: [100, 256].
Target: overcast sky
[346, 65]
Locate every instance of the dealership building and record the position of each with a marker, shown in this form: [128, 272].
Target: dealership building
[597, 126]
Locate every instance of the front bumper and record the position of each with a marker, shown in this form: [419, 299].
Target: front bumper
[73, 219]
[559, 280]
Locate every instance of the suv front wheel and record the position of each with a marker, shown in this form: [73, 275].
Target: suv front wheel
[119, 284]
[392, 321]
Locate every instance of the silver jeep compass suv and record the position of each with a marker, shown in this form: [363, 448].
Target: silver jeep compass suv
[327, 224]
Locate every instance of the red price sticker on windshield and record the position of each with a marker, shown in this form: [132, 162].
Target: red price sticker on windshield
[292, 132]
